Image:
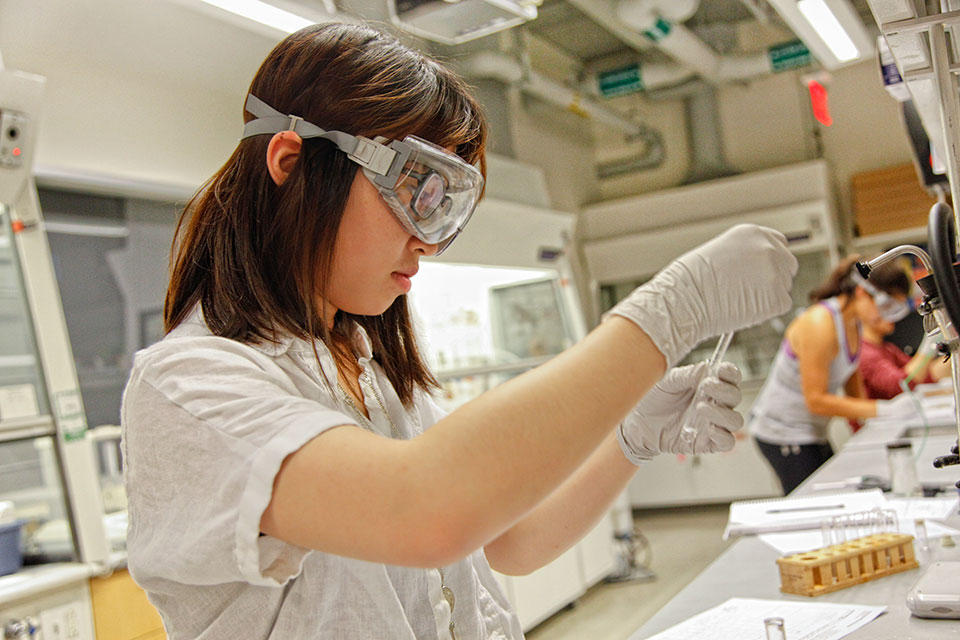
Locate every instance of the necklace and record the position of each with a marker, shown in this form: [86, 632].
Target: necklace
[365, 379]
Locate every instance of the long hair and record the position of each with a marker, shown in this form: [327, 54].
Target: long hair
[258, 256]
[839, 282]
[891, 278]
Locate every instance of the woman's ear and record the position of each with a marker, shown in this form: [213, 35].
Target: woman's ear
[282, 154]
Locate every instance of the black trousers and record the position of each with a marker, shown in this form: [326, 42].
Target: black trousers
[794, 463]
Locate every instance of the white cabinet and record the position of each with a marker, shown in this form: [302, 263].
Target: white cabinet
[547, 590]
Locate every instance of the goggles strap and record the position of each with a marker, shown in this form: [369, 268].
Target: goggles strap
[365, 152]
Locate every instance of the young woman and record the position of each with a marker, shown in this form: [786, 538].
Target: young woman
[819, 358]
[885, 367]
[288, 473]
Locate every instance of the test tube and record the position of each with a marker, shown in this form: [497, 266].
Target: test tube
[774, 629]
[688, 430]
[920, 527]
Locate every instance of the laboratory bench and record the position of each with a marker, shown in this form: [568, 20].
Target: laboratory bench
[748, 568]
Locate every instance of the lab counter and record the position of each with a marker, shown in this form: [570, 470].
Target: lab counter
[748, 568]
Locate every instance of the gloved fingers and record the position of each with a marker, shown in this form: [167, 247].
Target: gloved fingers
[721, 440]
[718, 416]
[725, 394]
[729, 372]
[786, 263]
[680, 380]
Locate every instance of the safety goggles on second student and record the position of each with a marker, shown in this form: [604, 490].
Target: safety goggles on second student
[889, 308]
[431, 192]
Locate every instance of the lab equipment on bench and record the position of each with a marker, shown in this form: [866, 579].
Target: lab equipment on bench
[935, 594]
[774, 628]
[689, 428]
[838, 566]
[903, 469]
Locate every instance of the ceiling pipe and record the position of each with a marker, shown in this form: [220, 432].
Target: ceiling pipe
[642, 24]
[491, 65]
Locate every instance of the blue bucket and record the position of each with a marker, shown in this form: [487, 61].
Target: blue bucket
[11, 558]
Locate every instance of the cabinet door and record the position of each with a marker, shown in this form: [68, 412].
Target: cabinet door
[597, 552]
[121, 610]
[548, 589]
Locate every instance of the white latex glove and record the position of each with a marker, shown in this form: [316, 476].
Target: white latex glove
[739, 279]
[900, 406]
[928, 345]
[654, 425]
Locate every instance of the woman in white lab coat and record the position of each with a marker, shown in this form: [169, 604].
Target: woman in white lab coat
[288, 473]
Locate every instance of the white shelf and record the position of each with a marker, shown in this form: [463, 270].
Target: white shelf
[890, 238]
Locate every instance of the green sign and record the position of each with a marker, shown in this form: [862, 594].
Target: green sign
[618, 82]
[659, 31]
[789, 55]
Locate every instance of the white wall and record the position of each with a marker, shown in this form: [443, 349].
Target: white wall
[143, 89]
[767, 123]
[151, 90]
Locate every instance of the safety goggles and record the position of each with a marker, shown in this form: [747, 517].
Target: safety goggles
[889, 308]
[431, 192]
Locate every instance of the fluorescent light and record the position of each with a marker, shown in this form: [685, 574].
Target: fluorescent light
[823, 20]
[263, 13]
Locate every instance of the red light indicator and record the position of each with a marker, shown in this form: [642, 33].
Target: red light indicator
[819, 102]
[16, 152]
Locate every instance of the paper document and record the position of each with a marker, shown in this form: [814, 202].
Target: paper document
[927, 508]
[742, 619]
[931, 510]
[797, 514]
[797, 542]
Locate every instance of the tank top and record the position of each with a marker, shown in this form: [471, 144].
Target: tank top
[780, 414]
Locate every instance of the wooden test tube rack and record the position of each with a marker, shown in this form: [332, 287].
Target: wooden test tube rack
[844, 565]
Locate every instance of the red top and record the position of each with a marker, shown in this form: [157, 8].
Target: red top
[882, 369]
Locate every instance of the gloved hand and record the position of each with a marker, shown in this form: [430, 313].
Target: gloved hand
[900, 406]
[740, 278]
[928, 345]
[654, 425]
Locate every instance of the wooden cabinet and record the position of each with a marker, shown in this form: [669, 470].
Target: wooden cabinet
[889, 200]
[121, 610]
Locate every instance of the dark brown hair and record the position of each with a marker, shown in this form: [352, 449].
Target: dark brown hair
[839, 282]
[890, 278]
[257, 256]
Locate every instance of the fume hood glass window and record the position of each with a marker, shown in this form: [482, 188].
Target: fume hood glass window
[22, 392]
[111, 256]
[754, 348]
[30, 479]
[29, 474]
[480, 326]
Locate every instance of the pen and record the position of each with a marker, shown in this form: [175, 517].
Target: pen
[811, 508]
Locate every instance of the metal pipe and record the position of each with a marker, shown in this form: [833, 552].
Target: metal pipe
[896, 252]
[496, 66]
[949, 109]
[955, 373]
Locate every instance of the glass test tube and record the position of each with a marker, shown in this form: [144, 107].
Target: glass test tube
[774, 629]
[688, 430]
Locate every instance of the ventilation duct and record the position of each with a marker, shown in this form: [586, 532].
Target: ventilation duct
[490, 65]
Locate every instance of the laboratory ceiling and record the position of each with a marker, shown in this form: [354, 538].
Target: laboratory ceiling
[565, 27]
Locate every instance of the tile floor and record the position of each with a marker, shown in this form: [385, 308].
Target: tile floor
[683, 542]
